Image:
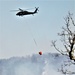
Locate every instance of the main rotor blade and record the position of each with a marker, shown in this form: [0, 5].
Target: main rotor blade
[14, 10]
[29, 9]
[22, 9]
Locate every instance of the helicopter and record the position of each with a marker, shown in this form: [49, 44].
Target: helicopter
[25, 12]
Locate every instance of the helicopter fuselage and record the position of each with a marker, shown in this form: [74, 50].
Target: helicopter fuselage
[21, 13]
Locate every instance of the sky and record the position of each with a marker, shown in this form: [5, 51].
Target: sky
[19, 34]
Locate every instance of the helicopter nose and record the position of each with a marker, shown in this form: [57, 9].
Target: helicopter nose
[17, 14]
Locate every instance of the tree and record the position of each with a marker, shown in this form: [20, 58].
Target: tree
[67, 36]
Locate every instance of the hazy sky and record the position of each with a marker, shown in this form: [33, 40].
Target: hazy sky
[17, 34]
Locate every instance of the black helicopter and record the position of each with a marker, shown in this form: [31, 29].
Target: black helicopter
[25, 12]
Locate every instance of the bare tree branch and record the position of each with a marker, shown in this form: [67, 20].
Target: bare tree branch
[67, 37]
[67, 48]
[71, 18]
[65, 71]
[68, 40]
[54, 44]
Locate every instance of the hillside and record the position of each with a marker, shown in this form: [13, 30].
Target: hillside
[45, 64]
